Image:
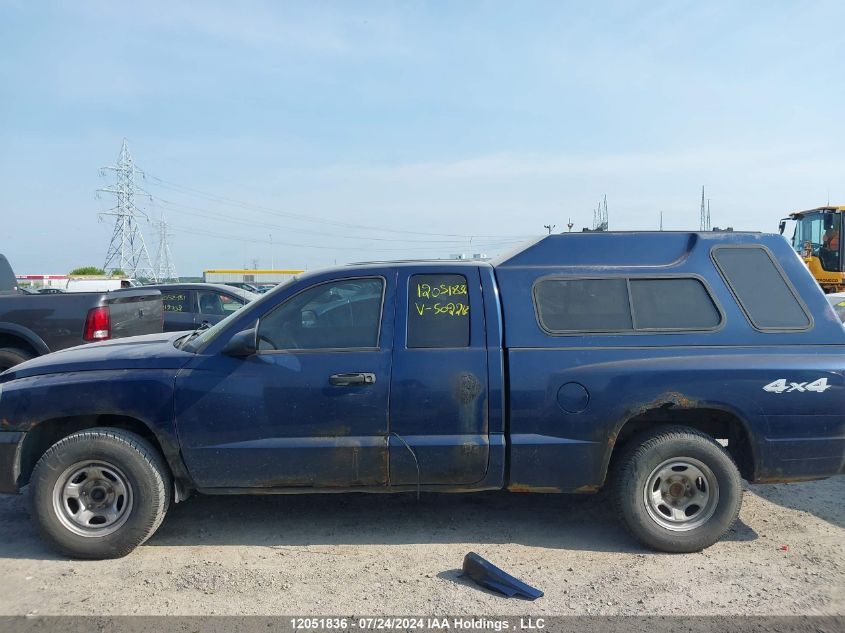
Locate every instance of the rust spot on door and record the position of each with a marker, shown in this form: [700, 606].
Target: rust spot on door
[468, 388]
[588, 489]
[515, 487]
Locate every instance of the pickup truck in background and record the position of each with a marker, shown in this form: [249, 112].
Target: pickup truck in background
[666, 366]
[189, 305]
[35, 324]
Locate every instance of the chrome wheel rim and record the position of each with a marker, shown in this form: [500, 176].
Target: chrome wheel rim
[92, 498]
[681, 494]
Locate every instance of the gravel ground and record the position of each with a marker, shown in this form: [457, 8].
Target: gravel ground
[393, 555]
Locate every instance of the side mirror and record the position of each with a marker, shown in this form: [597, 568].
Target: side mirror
[242, 344]
[782, 226]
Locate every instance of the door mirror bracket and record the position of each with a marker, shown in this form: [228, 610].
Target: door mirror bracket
[242, 344]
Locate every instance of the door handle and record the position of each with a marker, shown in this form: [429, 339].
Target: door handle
[344, 380]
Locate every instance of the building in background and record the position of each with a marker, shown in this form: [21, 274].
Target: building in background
[265, 276]
[75, 283]
[482, 257]
[36, 282]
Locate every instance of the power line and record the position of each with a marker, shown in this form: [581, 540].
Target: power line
[127, 250]
[193, 230]
[161, 182]
[203, 212]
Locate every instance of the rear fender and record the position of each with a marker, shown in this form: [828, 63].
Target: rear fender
[32, 340]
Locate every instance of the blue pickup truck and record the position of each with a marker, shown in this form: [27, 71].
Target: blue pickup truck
[667, 366]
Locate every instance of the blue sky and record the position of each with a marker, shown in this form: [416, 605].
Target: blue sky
[361, 130]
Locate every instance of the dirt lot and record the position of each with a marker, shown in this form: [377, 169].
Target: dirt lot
[391, 555]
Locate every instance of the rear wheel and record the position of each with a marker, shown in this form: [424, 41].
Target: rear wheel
[677, 490]
[99, 493]
[11, 356]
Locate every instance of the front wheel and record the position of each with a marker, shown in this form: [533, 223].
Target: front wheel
[677, 490]
[99, 493]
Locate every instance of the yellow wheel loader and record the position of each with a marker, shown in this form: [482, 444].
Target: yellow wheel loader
[817, 239]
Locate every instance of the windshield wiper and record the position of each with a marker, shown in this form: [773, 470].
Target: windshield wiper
[204, 326]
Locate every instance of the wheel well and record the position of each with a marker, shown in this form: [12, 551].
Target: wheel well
[47, 433]
[723, 426]
[10, 340]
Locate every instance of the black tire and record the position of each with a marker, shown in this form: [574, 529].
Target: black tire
[137, 463]
[11, 356]
[658, 524]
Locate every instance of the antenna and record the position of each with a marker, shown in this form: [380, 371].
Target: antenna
[549, 227]
[127, 250]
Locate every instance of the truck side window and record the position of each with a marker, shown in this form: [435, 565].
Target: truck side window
[438, 311]
[340, 314]
[217, 303]
[760, 288]
[176, 302]
[583, 305]
[668, 303]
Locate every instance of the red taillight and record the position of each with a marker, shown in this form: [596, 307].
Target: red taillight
[97, 324]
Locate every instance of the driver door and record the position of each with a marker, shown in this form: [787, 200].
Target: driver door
[310, 408]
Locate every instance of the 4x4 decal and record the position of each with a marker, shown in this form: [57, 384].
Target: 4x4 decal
[781, 386]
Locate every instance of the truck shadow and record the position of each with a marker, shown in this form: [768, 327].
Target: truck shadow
[823, 499]
[554, 521]
[570, 522]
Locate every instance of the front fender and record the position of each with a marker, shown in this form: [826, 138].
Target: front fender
[142, 395]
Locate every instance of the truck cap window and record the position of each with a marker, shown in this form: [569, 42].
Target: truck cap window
[438, 311]
[585, 305]
[680, 303]
[605, 305]
[760, 288]
[339, 314]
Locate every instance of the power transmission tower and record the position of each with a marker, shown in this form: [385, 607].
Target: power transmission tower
[165, 269]
[605, 218]
[705, 213]
[600, 219]
[127, 249]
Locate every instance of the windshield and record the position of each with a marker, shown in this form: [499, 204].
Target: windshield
[818, 233]
[205, 337]
[838, 303]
